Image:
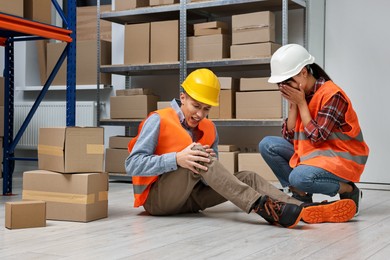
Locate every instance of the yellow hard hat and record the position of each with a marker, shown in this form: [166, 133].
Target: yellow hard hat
[203, 86]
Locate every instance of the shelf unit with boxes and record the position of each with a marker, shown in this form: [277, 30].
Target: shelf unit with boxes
[16, 28]
[186, 13]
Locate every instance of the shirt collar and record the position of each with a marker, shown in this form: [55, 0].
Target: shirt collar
[175, 104]
[318, 84]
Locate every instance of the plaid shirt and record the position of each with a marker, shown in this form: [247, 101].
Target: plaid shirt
[330, 117]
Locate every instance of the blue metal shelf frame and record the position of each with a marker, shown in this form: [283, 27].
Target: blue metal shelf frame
[69, 53]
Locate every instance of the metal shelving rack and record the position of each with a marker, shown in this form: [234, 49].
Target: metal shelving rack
[192, 11]
[186, 11]
[15, 29]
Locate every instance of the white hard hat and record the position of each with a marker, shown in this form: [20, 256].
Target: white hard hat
[288, 61]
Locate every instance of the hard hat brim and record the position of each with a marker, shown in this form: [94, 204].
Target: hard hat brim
[281, 78]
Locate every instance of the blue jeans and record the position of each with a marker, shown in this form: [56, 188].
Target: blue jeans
[277, 152]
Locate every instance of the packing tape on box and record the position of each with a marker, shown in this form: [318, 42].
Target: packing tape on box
[64, 197]
[250, 27]
[95, 149]
[103, 195]
[50, 150]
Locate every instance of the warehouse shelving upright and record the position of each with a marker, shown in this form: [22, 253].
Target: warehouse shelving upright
[205, 10]
[15, 29]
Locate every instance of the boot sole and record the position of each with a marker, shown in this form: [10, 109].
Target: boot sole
[336, 212]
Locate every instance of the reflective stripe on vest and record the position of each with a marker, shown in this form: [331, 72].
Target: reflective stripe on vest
[172, 138]
[331, 153]
[332, 136]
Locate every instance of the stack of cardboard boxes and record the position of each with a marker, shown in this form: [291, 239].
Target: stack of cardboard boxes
[226, 108]
[234, 160]
[37, 10]
[211, 41]
[49, 52]
[70, 179]
[134, 103]
[86, 48]
[253, 35]
[156, 42]
[258, 99]
[116, 154]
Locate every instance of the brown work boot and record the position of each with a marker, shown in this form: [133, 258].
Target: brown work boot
[334, 211]
[277, 212]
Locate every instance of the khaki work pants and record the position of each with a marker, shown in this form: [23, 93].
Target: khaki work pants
[183, 191]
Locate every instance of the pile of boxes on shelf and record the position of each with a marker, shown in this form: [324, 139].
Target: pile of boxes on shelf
[69, 185]
[116, 154]
[86, 49]
[234, 160]
[49, 51]
[134, 103]
[247, 98]
[250, 35]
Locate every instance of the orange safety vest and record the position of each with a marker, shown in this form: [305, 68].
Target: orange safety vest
[343, 153]
[172, 138]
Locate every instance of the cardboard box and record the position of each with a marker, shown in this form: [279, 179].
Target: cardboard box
[71, 149]
[38, 10]
[229, 160]
[253, 28]
[211, 25]
[86, 28]
[115, 160]
[137, 43]
[42, 59]
[227, 148]
[121, 5]
[86, 62]
[72, 197]
[14, 7]
[255, 163]
[254, 84]
[25, 214]
[138, 106]
[259, 105]
[210, 28]
[163, 104]
[163, 2]
[119, 141]
[134, 91]
[164, 41]
[210, 47]
[255, 50]
[229, 83]
[227, 104]
[213, 113]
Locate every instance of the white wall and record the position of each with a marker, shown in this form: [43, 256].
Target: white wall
[357, 58]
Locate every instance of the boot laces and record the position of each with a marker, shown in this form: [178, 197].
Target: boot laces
[273, 208]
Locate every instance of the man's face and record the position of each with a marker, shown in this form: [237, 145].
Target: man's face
[193, 110]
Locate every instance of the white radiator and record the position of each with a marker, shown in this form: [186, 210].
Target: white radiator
[49, 114]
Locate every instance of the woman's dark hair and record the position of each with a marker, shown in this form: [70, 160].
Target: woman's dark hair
[317, 71]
